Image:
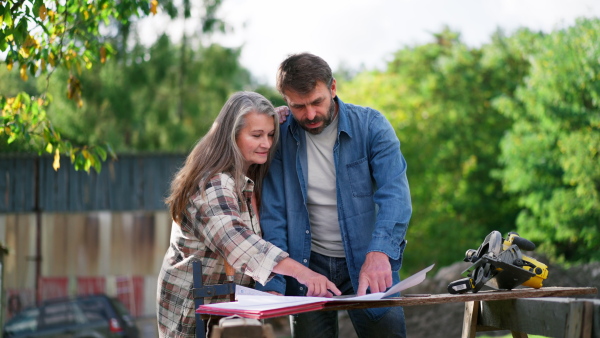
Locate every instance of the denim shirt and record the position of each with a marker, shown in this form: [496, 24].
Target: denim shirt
[373, 197]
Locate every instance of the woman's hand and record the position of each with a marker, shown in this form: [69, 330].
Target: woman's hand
[317, 284]
[283, 112]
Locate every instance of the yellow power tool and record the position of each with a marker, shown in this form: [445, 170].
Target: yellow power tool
[500, 264]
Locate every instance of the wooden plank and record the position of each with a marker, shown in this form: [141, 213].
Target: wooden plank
[555, 317]
[523, 316]
[574, 318]
[588, 320]
[468, 297]
[470, 320]
[596, 324]
[592, 314]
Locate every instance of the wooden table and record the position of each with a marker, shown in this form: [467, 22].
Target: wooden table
[535, 311]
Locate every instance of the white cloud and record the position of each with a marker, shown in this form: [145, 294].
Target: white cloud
[367, 33]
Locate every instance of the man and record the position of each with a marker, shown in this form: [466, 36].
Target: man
[336, 198]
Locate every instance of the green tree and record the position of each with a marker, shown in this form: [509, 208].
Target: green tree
[136, 106]
[41, 36]
[438, 97]
[551, 155]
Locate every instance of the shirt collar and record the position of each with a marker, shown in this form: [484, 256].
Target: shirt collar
[248, 187]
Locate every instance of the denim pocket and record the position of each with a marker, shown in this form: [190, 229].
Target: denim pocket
[359, 177]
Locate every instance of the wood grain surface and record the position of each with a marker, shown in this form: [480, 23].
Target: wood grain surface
[467, 297]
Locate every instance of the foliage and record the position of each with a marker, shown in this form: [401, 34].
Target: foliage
[551, 155]
[69, 37]
[42, 36]
[29, 123]
[502, 137]
[438, 96]
[144, 102]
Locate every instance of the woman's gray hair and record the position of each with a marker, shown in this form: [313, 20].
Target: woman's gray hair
[218, 152]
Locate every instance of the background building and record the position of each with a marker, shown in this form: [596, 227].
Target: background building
[70, 232]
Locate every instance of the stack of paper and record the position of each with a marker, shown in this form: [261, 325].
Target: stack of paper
[252, 303]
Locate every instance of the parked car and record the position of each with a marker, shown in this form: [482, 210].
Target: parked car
[96, 316]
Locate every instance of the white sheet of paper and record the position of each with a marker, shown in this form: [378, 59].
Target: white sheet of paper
[252, 299]
[242, 290]
[409, 282]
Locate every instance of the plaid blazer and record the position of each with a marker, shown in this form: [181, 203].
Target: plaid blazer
[218, 224]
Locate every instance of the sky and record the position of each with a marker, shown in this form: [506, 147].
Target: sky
[365, 34]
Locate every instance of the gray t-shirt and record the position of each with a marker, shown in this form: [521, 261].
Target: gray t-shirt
[322, 198]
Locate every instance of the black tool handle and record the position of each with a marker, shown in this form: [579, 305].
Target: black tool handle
[523, 243]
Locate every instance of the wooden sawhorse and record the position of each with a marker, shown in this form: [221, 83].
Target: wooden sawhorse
[554, 317]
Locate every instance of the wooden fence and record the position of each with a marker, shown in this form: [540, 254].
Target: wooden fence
[132, 182]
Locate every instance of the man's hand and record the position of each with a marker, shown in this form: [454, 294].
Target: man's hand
[376, 273]
[283, 112]
[274, 293]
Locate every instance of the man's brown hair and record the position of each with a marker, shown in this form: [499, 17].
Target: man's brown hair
[301, 73]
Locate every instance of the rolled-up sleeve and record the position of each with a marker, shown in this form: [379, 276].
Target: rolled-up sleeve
[224, 231]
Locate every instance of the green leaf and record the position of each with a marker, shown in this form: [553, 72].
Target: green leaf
[24, 98]
[101, 152]
[20, 33]
[36, 6]
[96, 163]
[8, 20]
[12, 138]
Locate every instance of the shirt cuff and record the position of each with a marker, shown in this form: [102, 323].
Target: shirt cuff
[386, 245]
[260, 268]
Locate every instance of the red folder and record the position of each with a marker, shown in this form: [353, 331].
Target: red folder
[261, 314]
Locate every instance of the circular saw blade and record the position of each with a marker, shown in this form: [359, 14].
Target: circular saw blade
[481, 275]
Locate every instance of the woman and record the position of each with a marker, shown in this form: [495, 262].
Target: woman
[213, 203]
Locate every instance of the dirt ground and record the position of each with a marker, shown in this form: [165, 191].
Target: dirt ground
[445, 320]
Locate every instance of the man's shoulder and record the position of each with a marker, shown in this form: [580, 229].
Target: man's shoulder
[356, 117]
[355, 111]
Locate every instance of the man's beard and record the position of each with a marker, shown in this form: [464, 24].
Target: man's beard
[326, 120]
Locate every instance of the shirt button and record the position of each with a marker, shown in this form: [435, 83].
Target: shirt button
[301, 288]
[305, 261]
[307, 232]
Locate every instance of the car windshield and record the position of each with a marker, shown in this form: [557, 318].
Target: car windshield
[25, 321]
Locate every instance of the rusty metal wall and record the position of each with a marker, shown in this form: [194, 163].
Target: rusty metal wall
[114, 246]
